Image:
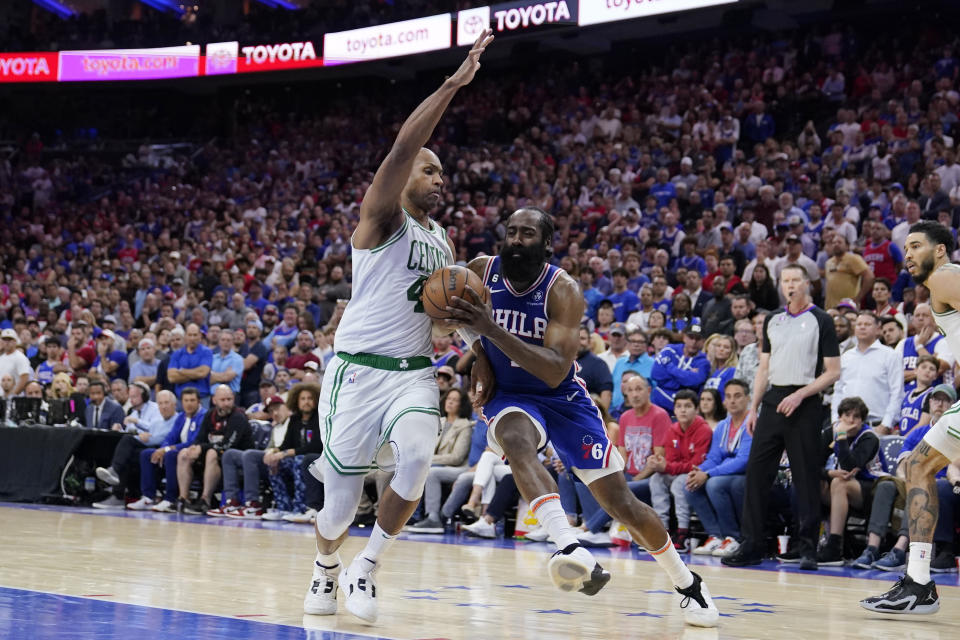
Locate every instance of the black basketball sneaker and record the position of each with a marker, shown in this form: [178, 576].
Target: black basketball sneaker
[906, 597]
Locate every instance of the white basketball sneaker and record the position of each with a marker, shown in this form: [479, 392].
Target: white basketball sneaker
[321, 598]
[698, 607]
[361, 589]
[575, 569]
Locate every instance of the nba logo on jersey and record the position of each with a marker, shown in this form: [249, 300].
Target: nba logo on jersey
[352, 378]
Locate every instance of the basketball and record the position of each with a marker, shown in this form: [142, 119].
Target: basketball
[443, 284]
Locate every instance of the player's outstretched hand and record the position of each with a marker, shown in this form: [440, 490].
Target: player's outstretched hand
[468, 69]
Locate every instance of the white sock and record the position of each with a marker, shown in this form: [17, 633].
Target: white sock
[669, 560]
[549, 513]
[918, 566]
[329, 562]
[377, 545]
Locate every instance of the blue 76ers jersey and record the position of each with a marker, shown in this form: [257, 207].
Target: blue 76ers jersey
[523, 314]
[566, 415]
[911, 408]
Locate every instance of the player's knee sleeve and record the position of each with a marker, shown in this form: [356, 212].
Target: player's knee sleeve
[413, 440]
[340, 499]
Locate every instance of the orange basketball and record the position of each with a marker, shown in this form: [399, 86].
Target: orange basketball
[443, 284]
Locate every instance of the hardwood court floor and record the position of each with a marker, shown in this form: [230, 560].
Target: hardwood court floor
[248, 579]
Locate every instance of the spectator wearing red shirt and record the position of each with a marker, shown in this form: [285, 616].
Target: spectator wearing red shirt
[685, 447]
[81, 350]
[883, 257]
[643, 430]
[301, 354]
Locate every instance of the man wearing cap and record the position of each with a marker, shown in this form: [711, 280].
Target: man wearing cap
[616, 345]
[446, 377]
[593, 370]
[54, 362]
[14, 362]
[872, 372]
[227, 365]
[847, 275]
[285, 333]
[147, 426]
[190, 366]
[686, 175]
[680, 366]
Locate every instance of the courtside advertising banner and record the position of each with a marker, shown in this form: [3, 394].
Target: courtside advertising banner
[521, 17]
[221, 58]
[387, 40]
[599, 11]
[130, 64]
[28, 67]
[278, 56]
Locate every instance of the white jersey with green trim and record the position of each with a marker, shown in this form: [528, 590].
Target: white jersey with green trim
[949, 321]
[385, 316]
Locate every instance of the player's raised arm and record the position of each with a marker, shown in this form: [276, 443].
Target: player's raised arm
[551, 362]
[379, 211]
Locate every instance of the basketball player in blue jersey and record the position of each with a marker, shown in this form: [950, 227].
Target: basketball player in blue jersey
[526, 341]
[379, 395]
[927, 257]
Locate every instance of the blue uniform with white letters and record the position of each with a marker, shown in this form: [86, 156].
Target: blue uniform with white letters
[567, 414]
[912, 407]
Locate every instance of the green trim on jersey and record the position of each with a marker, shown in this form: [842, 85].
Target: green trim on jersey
[386, 434]
[386, 363]
[392, 239]
[416, 222]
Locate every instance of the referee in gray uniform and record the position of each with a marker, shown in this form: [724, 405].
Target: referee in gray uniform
[799, 358]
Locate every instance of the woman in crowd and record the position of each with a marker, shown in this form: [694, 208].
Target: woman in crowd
[722, 352]
[681, 315]
[762, 290]
[711, 407]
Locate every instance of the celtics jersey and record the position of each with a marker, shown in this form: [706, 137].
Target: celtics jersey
[949, 321]
[385, 316]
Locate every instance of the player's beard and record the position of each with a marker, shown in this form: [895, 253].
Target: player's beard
[926, 268]
[521, 263]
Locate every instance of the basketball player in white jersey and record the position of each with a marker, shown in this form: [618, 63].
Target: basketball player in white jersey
[927, 257]
[379, 398]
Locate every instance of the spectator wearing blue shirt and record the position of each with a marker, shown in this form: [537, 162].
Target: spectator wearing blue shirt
[759, 125]
[110, 361]
[227, 365]
[285, 333]
[624, 301]
[680, 366]
[185, 426]
[54, 362]
[145, 369]
[635, 360]
[715, 487]
[591, 294]
[255, 298]
[600, 281]
[190, 366]
[663, 190]
[690, 260]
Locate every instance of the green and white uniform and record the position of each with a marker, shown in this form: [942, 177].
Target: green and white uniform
[382, 369]
[944, 436]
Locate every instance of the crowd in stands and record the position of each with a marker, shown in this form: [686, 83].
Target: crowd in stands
[196, 307]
